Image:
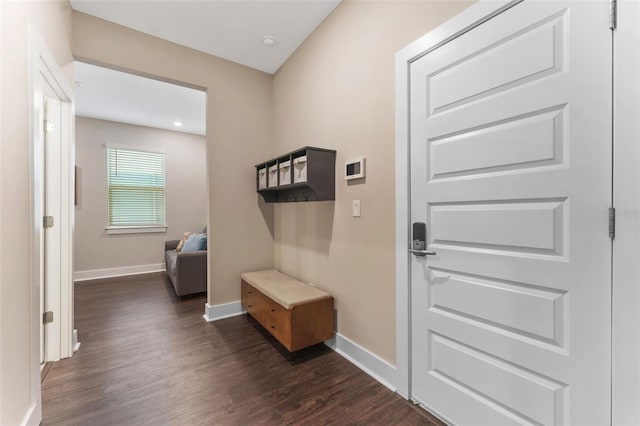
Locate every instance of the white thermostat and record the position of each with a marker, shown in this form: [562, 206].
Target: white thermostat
[354, 169]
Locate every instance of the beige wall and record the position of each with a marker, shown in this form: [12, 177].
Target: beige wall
[52, 19]
[239, 131]
[337, 91]
[185, 192]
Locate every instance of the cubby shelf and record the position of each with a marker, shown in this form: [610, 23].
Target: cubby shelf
[306, 174]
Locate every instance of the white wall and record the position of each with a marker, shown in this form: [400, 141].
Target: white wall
[185, 193]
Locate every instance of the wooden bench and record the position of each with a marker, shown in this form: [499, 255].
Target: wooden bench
[295, 313]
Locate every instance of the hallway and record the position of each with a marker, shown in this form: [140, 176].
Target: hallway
[148, 357]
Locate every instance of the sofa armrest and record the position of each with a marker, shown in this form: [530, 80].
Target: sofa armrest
[171, 245]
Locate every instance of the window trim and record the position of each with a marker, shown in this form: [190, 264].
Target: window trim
[136, 229]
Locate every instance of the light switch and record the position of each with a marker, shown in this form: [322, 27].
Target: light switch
[356, 208]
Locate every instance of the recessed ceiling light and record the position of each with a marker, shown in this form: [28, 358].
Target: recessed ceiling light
[177, 123]
[269, 40]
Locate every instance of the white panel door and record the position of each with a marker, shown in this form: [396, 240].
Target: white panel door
[511, 172]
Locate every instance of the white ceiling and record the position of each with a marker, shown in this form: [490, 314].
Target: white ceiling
[230, 29]
[117, 96]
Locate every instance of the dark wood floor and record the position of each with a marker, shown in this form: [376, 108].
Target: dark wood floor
[148, 357]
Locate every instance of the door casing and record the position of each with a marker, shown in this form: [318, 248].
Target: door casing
[626, 199]
[475, 15]
[43, 69]
[626, 283]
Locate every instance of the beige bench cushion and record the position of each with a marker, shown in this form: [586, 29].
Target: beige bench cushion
[283, 289]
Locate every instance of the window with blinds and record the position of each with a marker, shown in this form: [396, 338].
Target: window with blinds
[136, 187]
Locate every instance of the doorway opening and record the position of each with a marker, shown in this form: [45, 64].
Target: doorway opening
[141, 172]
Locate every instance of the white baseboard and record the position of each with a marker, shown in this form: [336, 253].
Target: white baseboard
[226, 310]
[75, 343]
[367, 361]
[30, 418]
[117, 272]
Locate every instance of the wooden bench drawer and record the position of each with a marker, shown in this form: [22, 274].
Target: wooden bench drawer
[303, 325]
[255, 303]
[279, 323]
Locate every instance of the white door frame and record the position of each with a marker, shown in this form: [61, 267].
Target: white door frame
[626, 200]
[475, 15]
[44, 69]
[626, 294]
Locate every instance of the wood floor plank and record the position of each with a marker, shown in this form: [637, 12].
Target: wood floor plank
[148, 358]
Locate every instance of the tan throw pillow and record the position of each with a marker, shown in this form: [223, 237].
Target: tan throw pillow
[182, 241]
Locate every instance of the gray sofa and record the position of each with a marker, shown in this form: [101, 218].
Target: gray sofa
[187, 271]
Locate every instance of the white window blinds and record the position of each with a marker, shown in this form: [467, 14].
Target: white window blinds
[136, 187]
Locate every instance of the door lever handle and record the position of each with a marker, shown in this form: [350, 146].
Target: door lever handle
[422, 252]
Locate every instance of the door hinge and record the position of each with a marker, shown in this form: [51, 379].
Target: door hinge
[612, 223]
[47, 221]
[47, 317]
[613, 14]
[48, 126]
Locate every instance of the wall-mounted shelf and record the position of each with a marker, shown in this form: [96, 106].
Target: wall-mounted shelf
[306, 174]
